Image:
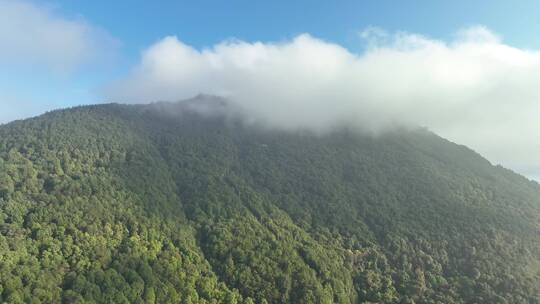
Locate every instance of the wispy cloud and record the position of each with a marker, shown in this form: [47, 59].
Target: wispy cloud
[42, 52]
[475, 89]
[32, 35]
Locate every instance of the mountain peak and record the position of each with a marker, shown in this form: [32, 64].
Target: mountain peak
[113, 204]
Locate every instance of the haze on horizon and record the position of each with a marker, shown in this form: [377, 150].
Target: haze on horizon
[472, 88]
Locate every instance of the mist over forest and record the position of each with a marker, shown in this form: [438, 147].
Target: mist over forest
[351, 152]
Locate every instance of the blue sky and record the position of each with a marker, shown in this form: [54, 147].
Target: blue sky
[203, 23]
[465, 69]
[138, 24]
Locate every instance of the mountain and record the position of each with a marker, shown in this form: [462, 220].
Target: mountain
[182, 203]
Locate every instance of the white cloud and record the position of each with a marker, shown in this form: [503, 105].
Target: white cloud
[40, 53]
[35, 35]
[474, 90]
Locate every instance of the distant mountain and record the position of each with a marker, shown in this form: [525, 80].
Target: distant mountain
[182, 203]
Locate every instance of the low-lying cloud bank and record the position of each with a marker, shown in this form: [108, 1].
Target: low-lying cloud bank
[474, 90]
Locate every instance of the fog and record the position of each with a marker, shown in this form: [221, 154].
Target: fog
[474, 90]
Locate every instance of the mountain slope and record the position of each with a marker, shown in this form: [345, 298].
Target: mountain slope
[162, 204]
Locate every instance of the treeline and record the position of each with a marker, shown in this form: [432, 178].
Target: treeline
[122, 204]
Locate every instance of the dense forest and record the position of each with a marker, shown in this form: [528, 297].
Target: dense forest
[163, 203]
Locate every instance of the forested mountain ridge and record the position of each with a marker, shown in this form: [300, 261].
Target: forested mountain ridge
[166, 203]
